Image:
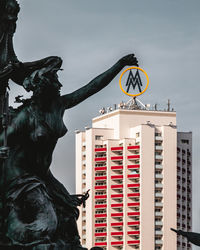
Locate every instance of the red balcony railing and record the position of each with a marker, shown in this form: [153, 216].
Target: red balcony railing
[117, 224]
[116, 233]
[100, 159]
[100, 169]
[133, 176]
[133, 223]
[116, 243]
[133, 166]
[133, 157]
[136, 147]
[100, 197]
[100, 244]
[116, 214]
[116, 196]
[133, 242]
[100, 215]
[100, 177]
[133, 185]
[116, 148]
[133, 232]
[133, 213]
[100, 187]
[116, 205]
[100, 234]
[100, 149]
[101, 206]
[116, 186]
[100, 225]
[134, 204]
[116, 167]
[116, 158]
[133, 195]
[115, 177]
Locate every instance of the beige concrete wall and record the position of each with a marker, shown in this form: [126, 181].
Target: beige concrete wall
[169, 135]
[147, 180]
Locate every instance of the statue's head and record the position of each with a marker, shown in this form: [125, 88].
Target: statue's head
[9, 10]
[44, 82]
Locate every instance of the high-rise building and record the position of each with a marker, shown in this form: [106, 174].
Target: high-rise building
[138, 169]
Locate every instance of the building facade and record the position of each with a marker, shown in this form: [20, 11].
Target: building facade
[138, 170]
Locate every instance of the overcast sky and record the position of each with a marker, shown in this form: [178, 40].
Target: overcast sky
[91, 35]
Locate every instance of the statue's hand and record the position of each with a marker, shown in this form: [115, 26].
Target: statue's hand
[129, 60]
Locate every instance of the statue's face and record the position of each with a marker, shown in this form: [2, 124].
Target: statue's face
[12, 10]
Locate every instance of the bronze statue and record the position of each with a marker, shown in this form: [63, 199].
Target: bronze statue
[37, 212]
[39, 208]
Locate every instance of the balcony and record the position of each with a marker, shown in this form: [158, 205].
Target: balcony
[100, 225]
[133, 214]
[159, 176]
[100, 197]
[158, 204]
[133, 242]
[99, 178]
[116, 177]
[159, 232]
[117, 205]
[136, 147]
[117, 214]
[133, 232]
[133, 195]
[100, 187]
[159, 185]
[100, 169]
[159, 242]
[159, 148]
[117, 224]
[116, 196]
[133, 157]
[133, 176]
[159, 223]
[116, 233]
[158, 195]
[116, 149]
[101, 206]
[100, 159]
[133, 185]
[136, 166]
[116, 158]
[100, 215]
[133, 223]
[116, 167]
[117, 243]
[158, 157]
[100, 234]
[117, 186]
[158, 214]
[158, 166]
[158, 138]
[100, 244]
[134, 204]
[100, 149]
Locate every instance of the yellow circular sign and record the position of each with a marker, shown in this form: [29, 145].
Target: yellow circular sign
[120, 81]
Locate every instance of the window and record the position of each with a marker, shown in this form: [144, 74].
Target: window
[98, 137]
[137, 134]
[185, 141]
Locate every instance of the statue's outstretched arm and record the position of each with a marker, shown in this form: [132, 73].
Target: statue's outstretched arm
[101, 81]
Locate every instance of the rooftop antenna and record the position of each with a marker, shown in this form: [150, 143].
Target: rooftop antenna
[168, 105]
[102, 111]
